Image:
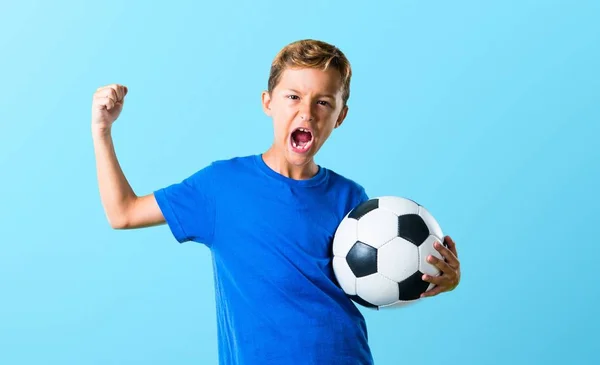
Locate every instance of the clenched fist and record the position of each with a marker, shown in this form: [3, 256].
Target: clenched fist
[106, 106]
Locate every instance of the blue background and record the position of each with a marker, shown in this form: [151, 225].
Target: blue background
[484, 112]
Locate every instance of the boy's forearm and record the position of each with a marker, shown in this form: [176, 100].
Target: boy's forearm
[115, 192]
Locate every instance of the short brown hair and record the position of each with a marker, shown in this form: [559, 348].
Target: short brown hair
[313, 54]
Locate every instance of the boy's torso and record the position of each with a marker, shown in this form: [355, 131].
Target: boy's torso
[277, 299]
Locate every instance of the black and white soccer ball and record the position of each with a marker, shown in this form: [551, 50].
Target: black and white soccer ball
[380, 252]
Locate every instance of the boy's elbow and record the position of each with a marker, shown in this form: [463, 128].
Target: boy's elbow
[140, 213]
[117, 222]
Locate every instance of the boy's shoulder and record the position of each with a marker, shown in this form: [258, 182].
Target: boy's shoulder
[215, 172]
[229, 164]
[234, 161]
[342, 179]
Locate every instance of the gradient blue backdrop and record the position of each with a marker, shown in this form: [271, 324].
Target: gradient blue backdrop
[486, 113]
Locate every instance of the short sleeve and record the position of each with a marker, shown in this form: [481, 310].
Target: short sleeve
[189, 207]
[353, 196]
[362, 195]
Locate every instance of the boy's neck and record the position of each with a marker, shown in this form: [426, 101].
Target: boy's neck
[278, 163]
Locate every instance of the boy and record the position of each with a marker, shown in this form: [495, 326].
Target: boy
[276, 297]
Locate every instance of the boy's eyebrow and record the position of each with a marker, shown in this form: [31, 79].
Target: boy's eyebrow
[321, 95]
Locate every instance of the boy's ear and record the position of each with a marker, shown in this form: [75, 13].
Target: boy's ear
[266, 102]
[341, 117]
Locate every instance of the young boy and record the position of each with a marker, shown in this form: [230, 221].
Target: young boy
[277, 300]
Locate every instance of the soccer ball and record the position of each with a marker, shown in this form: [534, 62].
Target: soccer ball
[380, 252]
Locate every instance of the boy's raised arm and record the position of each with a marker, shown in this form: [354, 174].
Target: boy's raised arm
[123, 208]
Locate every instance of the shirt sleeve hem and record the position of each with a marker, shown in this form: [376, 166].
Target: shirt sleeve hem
[170, 216]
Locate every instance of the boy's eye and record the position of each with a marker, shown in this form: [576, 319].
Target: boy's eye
[294, 97]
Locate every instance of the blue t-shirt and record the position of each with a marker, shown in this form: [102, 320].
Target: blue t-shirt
[270, 237]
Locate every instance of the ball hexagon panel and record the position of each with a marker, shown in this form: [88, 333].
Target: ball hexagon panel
[377, 227]
[345, 237]
[362, 259]
[397, 205]
[377, 289]
[344, 275]
[398, 259]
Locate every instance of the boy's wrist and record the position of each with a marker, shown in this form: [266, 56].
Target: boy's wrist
[101, 133]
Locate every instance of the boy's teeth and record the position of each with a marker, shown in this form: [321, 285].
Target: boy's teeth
[298, 146]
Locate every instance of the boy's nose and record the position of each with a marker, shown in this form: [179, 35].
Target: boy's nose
[306, 113]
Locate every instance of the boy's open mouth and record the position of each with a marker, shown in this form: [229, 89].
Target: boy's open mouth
[301, 139]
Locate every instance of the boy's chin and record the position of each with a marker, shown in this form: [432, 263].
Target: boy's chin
[298, 159]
